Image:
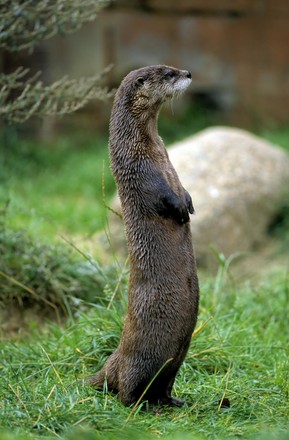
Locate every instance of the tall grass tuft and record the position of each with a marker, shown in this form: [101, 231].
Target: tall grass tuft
[52, 280]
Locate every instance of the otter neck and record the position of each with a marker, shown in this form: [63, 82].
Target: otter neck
[142, 134]
[148, 128]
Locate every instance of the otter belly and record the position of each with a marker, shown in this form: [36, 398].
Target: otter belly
[163, 307]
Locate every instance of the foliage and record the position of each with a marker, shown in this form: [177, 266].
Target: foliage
[23, 24]
[239, 352]
[26, 23]
[33, 98]
[51, 279]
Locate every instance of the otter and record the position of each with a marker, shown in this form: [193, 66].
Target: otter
[163, 286]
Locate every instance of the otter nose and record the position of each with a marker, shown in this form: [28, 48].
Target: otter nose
[188, 74]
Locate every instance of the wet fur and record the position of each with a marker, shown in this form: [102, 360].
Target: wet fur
[163, 287]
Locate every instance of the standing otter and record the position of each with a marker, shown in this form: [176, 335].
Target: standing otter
[163, 286]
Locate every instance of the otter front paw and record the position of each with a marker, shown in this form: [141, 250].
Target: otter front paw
[189, 202]
[173, 207]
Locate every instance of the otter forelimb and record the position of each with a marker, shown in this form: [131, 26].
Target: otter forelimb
[164, 201]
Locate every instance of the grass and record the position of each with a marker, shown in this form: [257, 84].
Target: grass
[46, 277]
[55, 190]
[240, 351]
[278, 136]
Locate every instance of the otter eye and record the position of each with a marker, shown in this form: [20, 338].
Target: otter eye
[140, 80]
[170, 74]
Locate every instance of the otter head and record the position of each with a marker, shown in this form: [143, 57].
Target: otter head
[151, 86]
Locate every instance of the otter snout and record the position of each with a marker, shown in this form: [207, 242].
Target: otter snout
[182, 81]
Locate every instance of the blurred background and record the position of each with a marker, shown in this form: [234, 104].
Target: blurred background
[237, 52]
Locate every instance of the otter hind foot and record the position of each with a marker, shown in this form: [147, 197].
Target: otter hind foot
[165, 401]
[151, 405]
[171, 401]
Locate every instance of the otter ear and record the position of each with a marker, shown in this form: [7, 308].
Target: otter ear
[140, 80]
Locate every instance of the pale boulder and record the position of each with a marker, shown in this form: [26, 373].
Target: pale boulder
[238, 183]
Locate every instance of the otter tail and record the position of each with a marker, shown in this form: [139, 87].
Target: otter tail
[108, 375]
[97, 380]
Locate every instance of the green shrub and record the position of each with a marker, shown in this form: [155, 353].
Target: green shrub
[51, 278]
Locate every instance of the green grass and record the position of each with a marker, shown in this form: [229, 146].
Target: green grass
[280, 228]
[278, 136]
[58, 189]
[240, 352]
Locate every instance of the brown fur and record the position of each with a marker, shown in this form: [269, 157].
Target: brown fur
[163, 287]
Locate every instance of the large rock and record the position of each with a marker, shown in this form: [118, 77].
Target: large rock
[237, 182]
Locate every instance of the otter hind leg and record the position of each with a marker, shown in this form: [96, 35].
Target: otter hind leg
[165, 398]
[158, 394]
[130, 393]
[168, 399]
[166, 381]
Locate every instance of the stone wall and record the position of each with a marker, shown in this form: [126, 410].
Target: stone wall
[237, 51]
